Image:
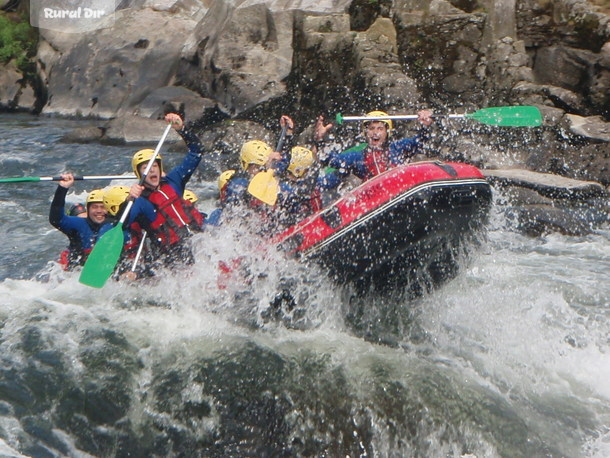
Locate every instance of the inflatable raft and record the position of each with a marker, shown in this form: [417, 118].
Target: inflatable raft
[408, 222]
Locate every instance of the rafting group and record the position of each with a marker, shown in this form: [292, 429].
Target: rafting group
[162, 214]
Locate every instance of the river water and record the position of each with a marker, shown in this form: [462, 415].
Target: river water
[508, 359]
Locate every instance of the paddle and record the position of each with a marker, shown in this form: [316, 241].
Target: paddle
[76, 178]
[139, 253]
[264, 186]
[103, 258]
[514, 116]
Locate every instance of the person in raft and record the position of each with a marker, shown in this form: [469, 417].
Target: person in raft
[255, 156]
[77, 210]
[159, 207]
[82, 233]
[299, 187]
[377, 154]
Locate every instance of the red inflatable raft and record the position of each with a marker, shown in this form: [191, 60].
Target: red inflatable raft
[406, 222]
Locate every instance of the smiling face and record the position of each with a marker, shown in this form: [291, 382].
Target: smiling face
[154, 174]
[96, 211]
[376, 133]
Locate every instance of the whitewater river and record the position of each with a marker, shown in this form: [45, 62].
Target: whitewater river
[511, 358]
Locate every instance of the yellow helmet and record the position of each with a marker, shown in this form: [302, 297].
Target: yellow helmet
[224, 178]
[254, 152]
[300, 161]
[114, 197]
[95, 197]
[143, 156]
[388, 122]
[190, 196]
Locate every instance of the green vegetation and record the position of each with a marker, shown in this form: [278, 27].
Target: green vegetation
[17, 41]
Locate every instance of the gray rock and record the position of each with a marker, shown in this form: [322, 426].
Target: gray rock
[126, 130]
[106, 73]
[563, 66]
[589, 162]
[569, 100]
[443, 52]
[9, 85]
[537, 220]
[592, 162]
[501, 21]
[158, 102]
[244, 55]
[525, 196]
[378, 68]
[88, 134]
[26, 99]
[551, 116]
[593, 127]
[604, 59]
[546, 184]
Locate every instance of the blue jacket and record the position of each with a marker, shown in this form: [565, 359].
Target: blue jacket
[236, 189]
[82, 233]
[358, 160]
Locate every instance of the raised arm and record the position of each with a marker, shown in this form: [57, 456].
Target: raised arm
[57, 211]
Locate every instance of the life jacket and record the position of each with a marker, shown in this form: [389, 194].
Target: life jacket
[71, 258]
[63, 259]
[176, 217]
[315, 203]
[135, 238]
[376, 161]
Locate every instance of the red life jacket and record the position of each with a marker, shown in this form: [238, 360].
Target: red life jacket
[63, 259]
[176, 217]
[376, 161]
[69, 259]
[135, 238]
[315, 202]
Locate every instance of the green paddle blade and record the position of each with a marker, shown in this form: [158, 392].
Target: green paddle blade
[264, 186]
[514, 116]
[103, 258]
[19, 180]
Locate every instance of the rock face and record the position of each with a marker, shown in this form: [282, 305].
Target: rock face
[105, 73]
[9, 85]
[245, 57]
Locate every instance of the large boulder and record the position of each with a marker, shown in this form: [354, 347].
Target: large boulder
[127, 130]
[245, 51]
[105, 73]
[440, 47]
[10, 84]
[175, 99]
[246, 63]
[350, 70]
[546, 184]
[540, 203]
